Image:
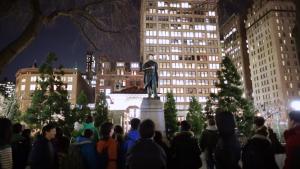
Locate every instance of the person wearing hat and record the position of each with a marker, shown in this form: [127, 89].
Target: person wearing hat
[292, 138]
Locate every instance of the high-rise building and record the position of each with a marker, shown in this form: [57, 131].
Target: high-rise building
[90, 74]
[182, 36]
[274, 63]
[233, 34]
[26, 84]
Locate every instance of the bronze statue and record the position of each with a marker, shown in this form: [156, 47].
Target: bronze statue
[151, 78]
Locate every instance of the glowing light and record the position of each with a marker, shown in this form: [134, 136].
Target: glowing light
[295, 105]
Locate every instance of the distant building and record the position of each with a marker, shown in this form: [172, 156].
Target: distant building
[26, 84]
[7, 88]
[90, 74]
[274, 64]
[233, 34]
[182, 36]
[113, 77]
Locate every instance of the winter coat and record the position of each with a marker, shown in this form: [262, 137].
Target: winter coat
[131, 138]
[92, 127]
[185, 151]
[146, 154]
[111, 146]
[209, 140]
[292, 138]
[20, 151]
[258, 153]
[88, 152]
[43, 155]
[227, 152]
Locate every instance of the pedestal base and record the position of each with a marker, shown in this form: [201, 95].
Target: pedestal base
[153, 109]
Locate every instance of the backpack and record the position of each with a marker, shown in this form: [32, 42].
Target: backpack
[74, 158]
[103, 158]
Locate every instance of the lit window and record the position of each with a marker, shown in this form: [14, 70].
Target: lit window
[107, 91]
[32, 87]
[22, 87]
[69, 87]
[23, 80]
[33, 78]
[70, 79]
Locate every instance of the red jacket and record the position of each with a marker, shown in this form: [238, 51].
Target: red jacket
[292, 138]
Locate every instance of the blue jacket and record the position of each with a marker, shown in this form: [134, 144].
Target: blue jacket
[88, 152]
[130, 139]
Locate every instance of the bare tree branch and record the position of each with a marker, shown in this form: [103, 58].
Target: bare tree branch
[82, 30]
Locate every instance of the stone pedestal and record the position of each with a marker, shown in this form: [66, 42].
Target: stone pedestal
[153, 109]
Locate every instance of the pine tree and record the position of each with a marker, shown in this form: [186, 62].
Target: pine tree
[101, 114]
[230, 98]
[170, 112]
[209, 107]
[195, 116]
[50, 99]
[81, 110]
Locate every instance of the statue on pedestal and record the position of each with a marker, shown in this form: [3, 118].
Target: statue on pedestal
[151, 78]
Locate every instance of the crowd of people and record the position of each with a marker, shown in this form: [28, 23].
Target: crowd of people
[145, 148]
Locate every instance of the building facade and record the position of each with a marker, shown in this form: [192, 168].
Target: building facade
[90, 74]
[233, 35]
[182, 36]
[26, 84]
[113, 77]
[274, 63]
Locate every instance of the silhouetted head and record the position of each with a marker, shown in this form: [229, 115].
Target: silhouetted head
[17, 128]
[225, 123]
[135, 122]
[49, 131]
[185, 126]
[147, 129]
[106, 130]
[259, 121]
[88, 133]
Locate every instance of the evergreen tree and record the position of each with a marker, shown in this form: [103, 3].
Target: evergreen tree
[209, 107]
[101, 114]
[81, 110]
[50, 99]
[230, 98]
[195, 116]
[170, 112]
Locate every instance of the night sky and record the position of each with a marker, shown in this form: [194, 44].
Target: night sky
[65, 39]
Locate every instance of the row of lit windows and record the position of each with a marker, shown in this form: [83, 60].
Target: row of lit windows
[33, 87]
[202, 82]
[176, 49]
[164, 73]
[177, 34]
[171, 19]
[35, 78]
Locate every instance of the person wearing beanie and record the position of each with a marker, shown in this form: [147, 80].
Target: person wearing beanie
[292, 139]
[258, 152]
[228, 148]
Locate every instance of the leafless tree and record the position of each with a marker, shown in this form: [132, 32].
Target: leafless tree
[99, 21]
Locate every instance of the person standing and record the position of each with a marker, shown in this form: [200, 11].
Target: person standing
[185, 149]
[228, 149]
[208, 143]
[133, 134]
[107, 147]
[258, 152]
[119, 137]
[43, 155]
[292, 138]
[6, 161]
[87, 149]
[146, 154]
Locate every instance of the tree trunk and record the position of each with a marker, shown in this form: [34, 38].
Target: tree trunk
[25, 39]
